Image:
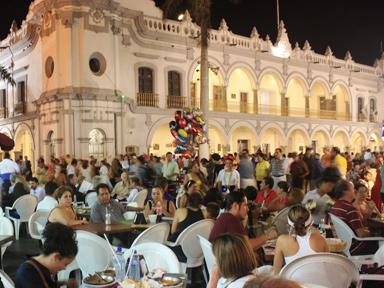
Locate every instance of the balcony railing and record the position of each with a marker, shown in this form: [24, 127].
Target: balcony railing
[19, 108]
[176, 101]
[361, 117]
[2, 113]
[372, 118]
[147, 99]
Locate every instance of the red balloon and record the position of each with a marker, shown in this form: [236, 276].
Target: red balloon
[178, 115]
[182, 123]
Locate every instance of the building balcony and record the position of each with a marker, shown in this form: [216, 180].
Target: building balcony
[373, 118]
[176, 101]
[361, 117]
[19, 108]
[147, 99]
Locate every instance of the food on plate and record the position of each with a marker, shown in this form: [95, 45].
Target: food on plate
[129, 283]
[98, 280]
[168, 281]
[108, 272]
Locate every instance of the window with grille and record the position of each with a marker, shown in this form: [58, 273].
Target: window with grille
[96, 143]
[174, 81]
[145, 80]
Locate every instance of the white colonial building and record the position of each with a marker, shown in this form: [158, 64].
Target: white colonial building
[105, 77]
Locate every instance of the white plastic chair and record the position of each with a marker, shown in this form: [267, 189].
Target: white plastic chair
[140, 197]
[94, 253]
[6, 280]
[158, 256]
[190, 244]
[345, 233]
[25, 206]
[209, 258]
[130, 215]
[36, 223]
[6, 228]
[91, 199]
[281, 221]
[157, 233]
[326, 269]
[377, 258]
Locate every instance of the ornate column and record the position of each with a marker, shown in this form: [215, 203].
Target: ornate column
[284, 104]
[307, 110]
[255, 102]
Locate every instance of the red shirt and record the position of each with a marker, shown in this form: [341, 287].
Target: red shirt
[227, 223]
[265, 198]
[349, 214]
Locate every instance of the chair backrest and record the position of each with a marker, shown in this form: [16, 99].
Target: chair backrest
[209, 258]
[157, 233]
[140, 197]
[326, 269]
[158, 256]
[7, 281]
[190, 244]
[36, 223]
[1, 212]
[94, 253]
[281, 221]
[343, 231]
[25, 206]
[91, 198]
[379, 256]
[6, 228]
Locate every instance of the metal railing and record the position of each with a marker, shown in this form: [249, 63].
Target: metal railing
[176, 101]
[147, 99]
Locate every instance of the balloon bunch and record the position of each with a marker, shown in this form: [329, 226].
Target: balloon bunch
[189, 130]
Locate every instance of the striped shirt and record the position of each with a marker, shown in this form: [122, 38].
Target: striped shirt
[278, 167]
[349, 214]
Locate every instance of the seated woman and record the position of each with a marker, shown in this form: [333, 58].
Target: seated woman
[64, 212]
[281, 201]
[59, 249]
[189, 188]
[185, 217]
[122, 188]
[158, 202]
[196, 175]
[302, 240]
[235, 262]
[366, 207]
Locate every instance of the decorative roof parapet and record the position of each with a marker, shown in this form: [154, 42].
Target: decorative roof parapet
[223, 25]
[328, 52]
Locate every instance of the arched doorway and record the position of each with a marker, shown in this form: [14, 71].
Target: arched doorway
[340, 139]
[240, 91]
[296, 93]
[269, 95]
[162, 141]
[343, 111]
[297, 141]
[270, 139]
[320, 140]
[358, 142]
[375, 142]
[97, 144]
[242, 138]
[216, 141]
[24, 145]
[319, 101]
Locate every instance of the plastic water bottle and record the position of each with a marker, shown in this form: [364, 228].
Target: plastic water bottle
[119, 264]
[74, 200]
[107, 216]
[134, 269]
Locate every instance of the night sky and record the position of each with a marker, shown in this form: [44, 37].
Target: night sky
[343, 24]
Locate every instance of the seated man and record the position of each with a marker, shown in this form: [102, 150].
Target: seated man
[343, 208]
[36, 189]
[231, 220]
[266, 194]
[49, 202]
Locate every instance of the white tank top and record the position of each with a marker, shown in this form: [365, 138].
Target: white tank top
[304, 248]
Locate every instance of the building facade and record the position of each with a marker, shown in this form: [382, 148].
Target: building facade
[105, 77]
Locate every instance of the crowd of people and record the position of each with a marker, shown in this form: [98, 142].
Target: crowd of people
[235, 190]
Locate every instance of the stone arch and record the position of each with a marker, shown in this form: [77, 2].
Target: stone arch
[300, 76]
[24, 142]
[319, 88]
[217, 138]
[97, 143]
[242, 135]
[375, 141]
[7, 132]
[358, 141]
[271, 86]
[247, 69]
[160, 122]
[272, 136]
[341, 139]
[298, 139]
[322, 138]
[297, 91]
[240, 87]
[344, 100]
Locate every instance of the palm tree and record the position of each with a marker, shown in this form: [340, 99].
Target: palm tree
[201, 13]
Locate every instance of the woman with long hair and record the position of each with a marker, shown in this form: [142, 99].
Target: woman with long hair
[302, 240]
